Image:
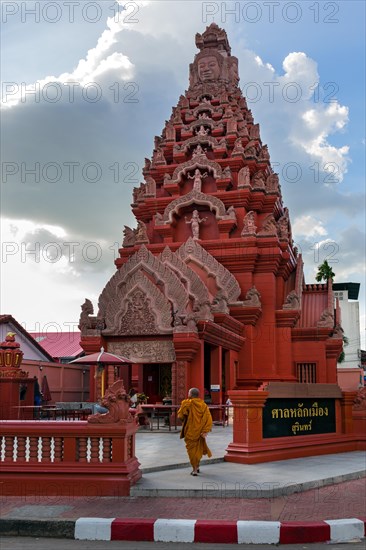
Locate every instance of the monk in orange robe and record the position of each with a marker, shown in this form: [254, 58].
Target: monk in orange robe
[197, 422]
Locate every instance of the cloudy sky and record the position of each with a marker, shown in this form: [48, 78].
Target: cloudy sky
[87, 85]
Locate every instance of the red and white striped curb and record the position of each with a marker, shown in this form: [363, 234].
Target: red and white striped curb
[241, 532]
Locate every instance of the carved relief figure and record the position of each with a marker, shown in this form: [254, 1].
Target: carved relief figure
[234, 71]
[158, 156]
[244, 177]
[292, 301]
[198, 151]
[167, 178]
[283, 227]
[202, 131]
[220, 302]
[272, 183]
[238, 147]
[85, 321]
[226, 173]
[139, 192]
[231, 126]
[249, 226]
[254, 132]
[258, 180]
[269, 227]
[138, 318]
[158, 219]
[208, 69]
[263, 153]
[252, 298]
[228, 111]
[359, 402]
[195, 224]
[230, 213]
[170, 132]
[129, 237]
[197, 179]
[250, 150]
[326, 320]
[147, 165]
[150, 186]
[141, 233]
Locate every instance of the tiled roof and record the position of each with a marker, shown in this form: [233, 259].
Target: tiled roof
[59, 344]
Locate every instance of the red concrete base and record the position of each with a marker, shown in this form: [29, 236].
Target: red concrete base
[285, 448]
[116, 481]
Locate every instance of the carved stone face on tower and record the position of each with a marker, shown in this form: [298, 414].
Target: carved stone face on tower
[208, 69]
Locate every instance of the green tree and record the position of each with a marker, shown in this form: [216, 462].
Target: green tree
[325, 272]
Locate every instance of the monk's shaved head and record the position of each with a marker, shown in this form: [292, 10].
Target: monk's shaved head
[194, 392]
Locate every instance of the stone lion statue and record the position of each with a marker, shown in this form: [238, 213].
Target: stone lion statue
[117, 401]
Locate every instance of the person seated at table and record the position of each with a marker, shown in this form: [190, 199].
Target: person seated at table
[99, 408]
[133, 397]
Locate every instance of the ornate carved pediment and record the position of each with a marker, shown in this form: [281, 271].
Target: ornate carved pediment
[204, 106]
[194, 197]
[144, 260]
[198, 140]
[196, 289]
[143, 270]
[201, 162]
[191, 250]
[137, 307]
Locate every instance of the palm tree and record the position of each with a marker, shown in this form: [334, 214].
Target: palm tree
[325, 272]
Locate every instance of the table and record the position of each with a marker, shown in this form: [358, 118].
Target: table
[160, 412]
[28, 412]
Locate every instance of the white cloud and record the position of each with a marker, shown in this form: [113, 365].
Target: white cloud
[99, 61]
[308, 226]
[299, 117]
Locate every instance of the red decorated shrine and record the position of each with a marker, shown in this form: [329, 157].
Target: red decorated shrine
[209, 289]
[16, 388]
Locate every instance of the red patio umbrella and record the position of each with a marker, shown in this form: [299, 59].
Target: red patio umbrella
[101, 357]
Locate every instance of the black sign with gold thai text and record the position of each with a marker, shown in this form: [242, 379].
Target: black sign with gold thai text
[292, 417]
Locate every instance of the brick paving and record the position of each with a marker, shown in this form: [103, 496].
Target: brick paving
[343, 500]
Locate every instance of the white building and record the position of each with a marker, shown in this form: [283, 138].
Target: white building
[349, 371]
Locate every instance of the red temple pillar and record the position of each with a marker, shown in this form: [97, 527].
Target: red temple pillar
[247, 424]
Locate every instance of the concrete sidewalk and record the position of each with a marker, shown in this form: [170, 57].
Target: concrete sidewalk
[306, 492]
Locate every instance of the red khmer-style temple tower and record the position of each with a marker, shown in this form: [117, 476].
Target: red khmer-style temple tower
[209, 290]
